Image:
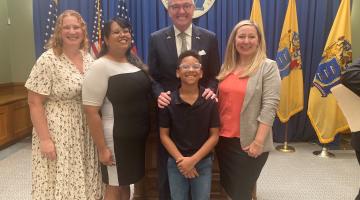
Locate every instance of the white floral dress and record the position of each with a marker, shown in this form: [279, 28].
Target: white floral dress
[75, 174]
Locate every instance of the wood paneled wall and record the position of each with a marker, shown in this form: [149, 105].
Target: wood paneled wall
[15, 122]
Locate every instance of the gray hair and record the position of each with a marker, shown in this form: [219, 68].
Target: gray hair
[171, 0]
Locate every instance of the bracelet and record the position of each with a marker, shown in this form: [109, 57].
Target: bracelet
[258, 144]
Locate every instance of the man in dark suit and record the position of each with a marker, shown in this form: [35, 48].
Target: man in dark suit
[351, 79]
[165, 46]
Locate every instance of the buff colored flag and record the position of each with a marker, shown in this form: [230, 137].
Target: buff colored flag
[256, 14]
[288, 59]
[323, 111]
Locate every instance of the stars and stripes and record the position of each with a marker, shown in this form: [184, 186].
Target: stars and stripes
[98, 24]
[122, 12]
[50, 20]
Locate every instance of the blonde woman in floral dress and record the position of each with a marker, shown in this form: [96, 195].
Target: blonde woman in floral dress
[64, 158]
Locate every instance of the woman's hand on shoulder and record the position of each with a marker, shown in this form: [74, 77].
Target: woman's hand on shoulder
[208, 93]
[164, 99]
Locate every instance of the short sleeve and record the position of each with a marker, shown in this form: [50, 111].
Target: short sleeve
[40, 78]
[95, 84]
[164, 118]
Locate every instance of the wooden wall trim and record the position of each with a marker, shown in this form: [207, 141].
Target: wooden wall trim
[4, 85]
[15, 120]
[11, 92]
[11, 84]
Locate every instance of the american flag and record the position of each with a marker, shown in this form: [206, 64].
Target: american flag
[50, 20]
[98, 24]
[122, 11]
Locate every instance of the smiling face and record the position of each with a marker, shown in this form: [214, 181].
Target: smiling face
[119, 38]
[72, 33]
[189, 71]
[247, 41]
[181, 13]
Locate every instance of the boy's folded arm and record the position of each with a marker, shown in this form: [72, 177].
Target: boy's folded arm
[169, 144]
[208, 146]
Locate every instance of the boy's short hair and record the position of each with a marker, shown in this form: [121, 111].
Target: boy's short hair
[188, 53]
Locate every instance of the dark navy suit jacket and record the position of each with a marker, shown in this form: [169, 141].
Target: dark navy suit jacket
[162, 58]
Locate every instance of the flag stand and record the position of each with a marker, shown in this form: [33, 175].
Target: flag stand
[285, 148]
[324, 153]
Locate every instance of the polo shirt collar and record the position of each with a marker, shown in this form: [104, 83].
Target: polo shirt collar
[199, 100]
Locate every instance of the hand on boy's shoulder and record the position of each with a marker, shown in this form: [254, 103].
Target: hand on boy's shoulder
[209, 94]
[164, 99]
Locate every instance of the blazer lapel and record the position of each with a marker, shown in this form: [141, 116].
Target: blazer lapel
[195, 39]
[250, 88]
[170, 42]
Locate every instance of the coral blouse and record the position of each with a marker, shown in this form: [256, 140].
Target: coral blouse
[232, 92]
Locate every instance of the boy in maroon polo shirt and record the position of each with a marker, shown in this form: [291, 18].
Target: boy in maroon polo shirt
[189, 132]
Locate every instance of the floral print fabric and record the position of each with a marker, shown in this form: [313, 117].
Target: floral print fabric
[75, 174]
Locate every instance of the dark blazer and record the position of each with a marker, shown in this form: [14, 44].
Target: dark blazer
[351, 79]
[355, 141]
[162, 58]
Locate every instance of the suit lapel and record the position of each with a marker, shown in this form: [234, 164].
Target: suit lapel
[195, 39]
[250, 88]
[170, 42]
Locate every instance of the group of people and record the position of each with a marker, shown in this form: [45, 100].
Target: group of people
[91, 118]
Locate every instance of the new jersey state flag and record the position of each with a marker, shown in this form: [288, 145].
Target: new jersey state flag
[324, 114]
[256, 14]
[288, 59]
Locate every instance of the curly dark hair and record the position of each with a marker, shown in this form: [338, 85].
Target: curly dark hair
[188, 53]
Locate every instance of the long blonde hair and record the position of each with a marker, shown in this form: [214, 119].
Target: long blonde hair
[56, 42]
[232, 57]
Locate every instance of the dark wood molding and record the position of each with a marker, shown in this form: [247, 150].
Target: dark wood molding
[11, 92]
[15, 122]
[4, 85]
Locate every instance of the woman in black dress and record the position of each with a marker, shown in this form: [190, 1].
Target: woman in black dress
[118, 87]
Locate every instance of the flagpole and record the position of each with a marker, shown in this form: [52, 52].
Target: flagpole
[324, 153]
[289, 63]
[285, 148]
[99, 22]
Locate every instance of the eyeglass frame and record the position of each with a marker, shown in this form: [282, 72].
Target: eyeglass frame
[121, 31]
[186, 7]
[195, 66]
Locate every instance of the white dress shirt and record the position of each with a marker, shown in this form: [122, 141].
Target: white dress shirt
[188, 33]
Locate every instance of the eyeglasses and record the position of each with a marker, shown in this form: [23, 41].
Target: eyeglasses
[120, 31]
[186, 6]
[195, 66]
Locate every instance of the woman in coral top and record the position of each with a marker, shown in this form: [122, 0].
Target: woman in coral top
[249, 93]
